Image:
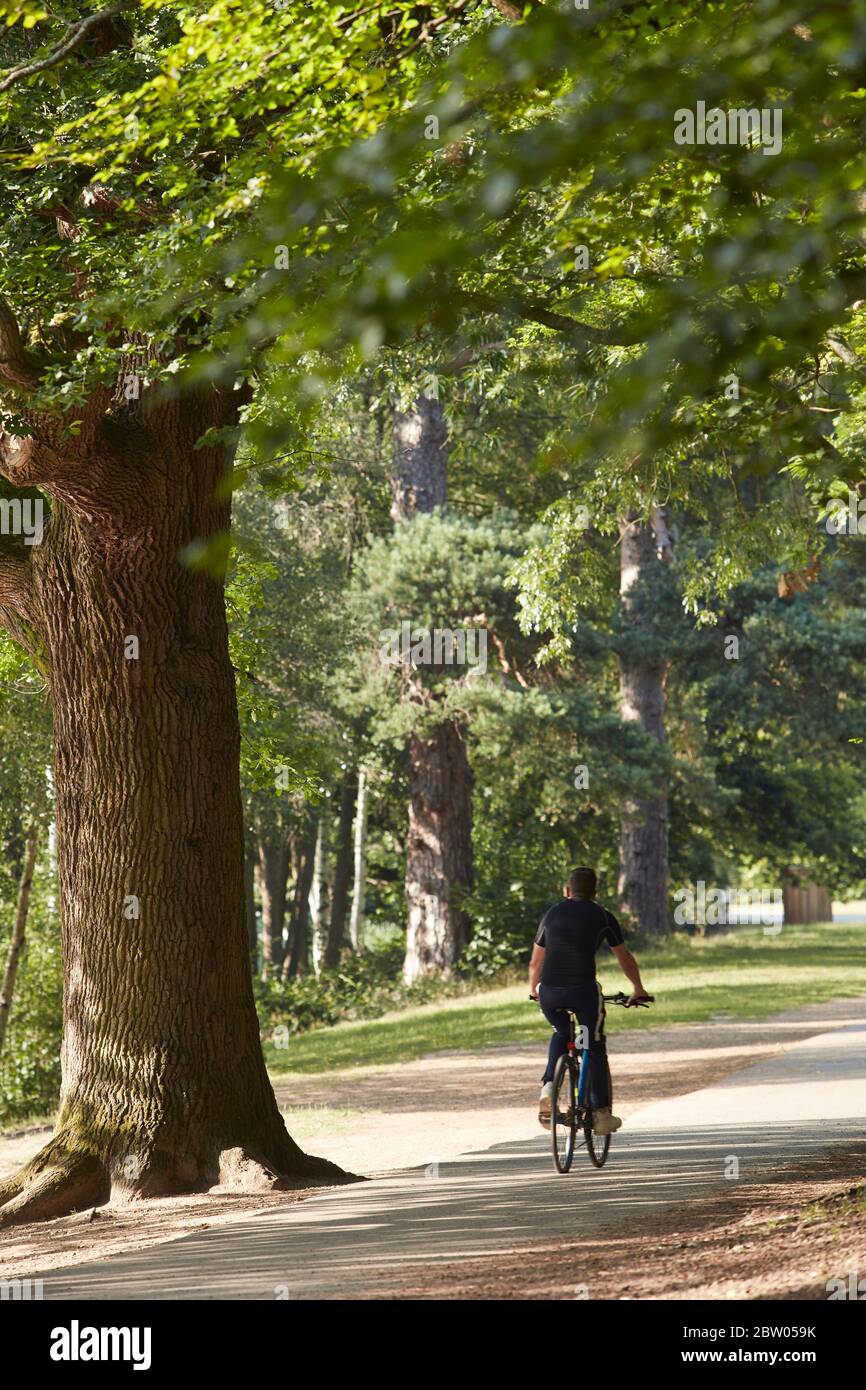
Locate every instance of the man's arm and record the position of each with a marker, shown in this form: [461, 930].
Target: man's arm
[536, 961]
[629, 967]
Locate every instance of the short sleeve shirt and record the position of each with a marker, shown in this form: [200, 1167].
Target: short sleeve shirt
[571, 932]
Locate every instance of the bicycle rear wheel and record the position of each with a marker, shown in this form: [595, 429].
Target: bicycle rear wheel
[597, 1145]
[563, 1113]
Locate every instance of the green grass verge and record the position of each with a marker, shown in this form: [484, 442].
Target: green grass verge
[746, 975]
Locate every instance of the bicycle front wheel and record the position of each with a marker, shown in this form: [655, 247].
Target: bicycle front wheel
[563, 1113]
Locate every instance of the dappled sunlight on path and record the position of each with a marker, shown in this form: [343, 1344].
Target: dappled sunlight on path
[790, 1108]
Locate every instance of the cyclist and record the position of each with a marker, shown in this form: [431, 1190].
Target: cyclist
[562, 978]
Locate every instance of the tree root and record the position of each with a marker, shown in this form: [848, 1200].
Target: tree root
[245, 1171]
[62, 1179]
[59, 1180]
[65, 1177]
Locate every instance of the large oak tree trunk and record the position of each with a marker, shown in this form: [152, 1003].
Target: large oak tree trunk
[164, 1085]
[643, 847]
[439, 856]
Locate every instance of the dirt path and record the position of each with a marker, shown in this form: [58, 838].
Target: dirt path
[424, 1114]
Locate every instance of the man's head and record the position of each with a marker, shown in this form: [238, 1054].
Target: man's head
[582, 883]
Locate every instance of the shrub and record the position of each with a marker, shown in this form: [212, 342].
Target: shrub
[365, 985]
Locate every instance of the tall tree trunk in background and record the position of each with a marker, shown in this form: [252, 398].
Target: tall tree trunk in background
[250, 898]
[273, 878]
[337, 923]
[419, 477]
[359, 888]
[164, 1084]
[439, 853]
[19, 929]
[643, 846]
[15, 847]
[321, 889]
[295, 962]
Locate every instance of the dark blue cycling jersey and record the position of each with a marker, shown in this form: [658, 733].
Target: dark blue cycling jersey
[571, 933]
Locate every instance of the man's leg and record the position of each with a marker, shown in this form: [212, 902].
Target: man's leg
[551, 1000]
[590, 1014]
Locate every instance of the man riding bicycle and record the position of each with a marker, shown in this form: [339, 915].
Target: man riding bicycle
[562, 978]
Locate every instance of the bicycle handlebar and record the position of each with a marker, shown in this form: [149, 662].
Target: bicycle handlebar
[624, 999]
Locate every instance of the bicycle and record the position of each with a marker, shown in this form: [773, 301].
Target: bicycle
[569, 1110]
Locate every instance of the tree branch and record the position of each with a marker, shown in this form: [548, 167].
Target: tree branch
[466, 357]
[77, 34]
[534, 311]
[16, 364]
[26, 461]
[66, 454]
[539, 313]
[19, 609]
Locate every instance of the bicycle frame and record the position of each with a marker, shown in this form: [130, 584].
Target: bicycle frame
[583, 1075]
[579, 1113]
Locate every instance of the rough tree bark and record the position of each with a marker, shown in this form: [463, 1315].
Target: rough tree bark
[337, 923]
[164, 1085]
[439, 851]
[643, 846]
[359, 888]
[19, 929]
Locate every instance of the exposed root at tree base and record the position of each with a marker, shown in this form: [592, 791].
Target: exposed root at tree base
[62, 1179]
[43, 1191]
[245, 1171]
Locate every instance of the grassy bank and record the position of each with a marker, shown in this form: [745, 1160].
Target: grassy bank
[746, 975]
